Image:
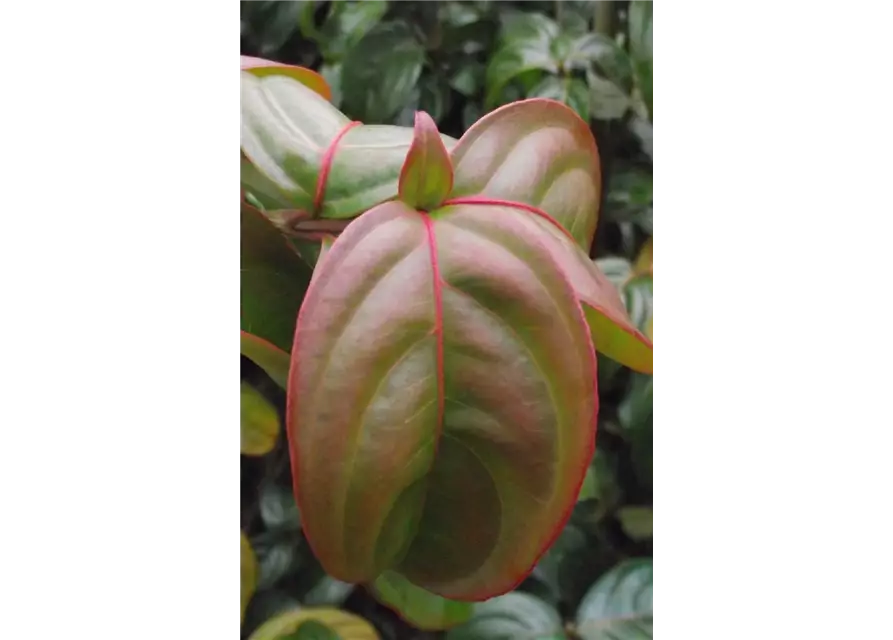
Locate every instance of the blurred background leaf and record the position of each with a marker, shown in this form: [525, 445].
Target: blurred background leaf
[260, 424]
[514, 615]
[419, 607]
[249, 573]
[619, 605]
[380, 73]
[315, 624]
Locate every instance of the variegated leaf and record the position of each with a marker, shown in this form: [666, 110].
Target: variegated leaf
[537, 152]
[614, 333]
[302, 155]
[442, 400]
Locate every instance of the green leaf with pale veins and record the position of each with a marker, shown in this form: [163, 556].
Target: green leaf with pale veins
[379, 73]
[526, 39]
[513, 616]
[427, 174]
[619, 605]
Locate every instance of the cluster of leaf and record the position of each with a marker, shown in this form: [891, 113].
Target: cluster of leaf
[457, 60]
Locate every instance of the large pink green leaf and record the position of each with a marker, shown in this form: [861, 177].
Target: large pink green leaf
[537, 152]
[442, 401]
[273, 280]
[302, 154]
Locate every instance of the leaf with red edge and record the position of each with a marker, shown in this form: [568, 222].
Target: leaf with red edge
[302, 154]
[427, 175]
[273, 360]
[614, 332]
[262, 68]
[537, 152]
[442, 403]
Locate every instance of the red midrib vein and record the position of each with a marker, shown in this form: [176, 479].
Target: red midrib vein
[325, 166]
[438, 315]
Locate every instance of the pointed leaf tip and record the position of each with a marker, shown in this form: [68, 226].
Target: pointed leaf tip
[427, 175]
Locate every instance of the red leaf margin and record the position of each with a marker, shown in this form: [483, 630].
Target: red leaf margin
[262, 67]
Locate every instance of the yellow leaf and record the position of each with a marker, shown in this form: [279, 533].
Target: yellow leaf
[249, 573]
[260, 423]
[346, 625]
[644, 261]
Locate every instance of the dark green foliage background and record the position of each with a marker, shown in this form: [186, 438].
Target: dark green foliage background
[458, 60]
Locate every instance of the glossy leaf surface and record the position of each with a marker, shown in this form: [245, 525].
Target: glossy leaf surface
[288, 131]
[420, 608]
[345, 626]
[443, 365]
[379, 74]
[619, 605]
[527, 46]
[537, 152]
